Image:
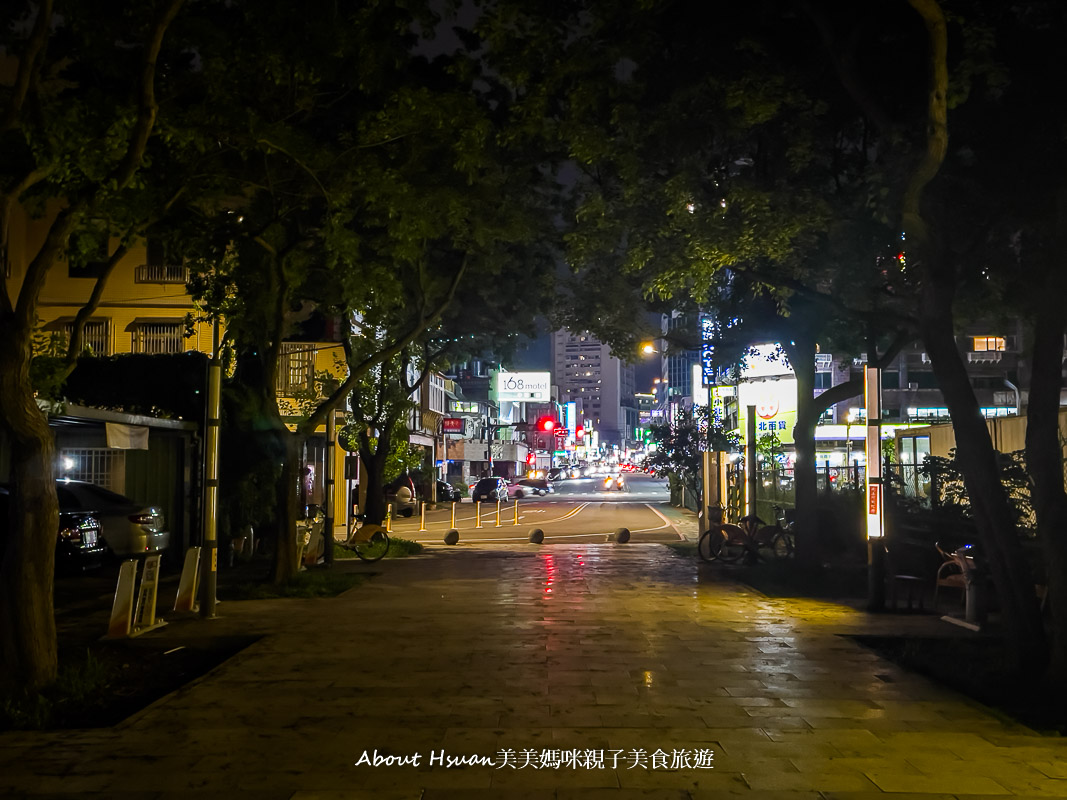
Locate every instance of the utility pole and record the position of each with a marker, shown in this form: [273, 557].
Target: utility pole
[209, 556]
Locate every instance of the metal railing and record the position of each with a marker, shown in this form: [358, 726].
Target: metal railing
[161, 273]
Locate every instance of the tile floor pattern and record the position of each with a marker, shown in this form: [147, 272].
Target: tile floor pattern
[474, 651]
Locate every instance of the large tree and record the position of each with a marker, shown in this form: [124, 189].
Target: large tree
[709, 178]
[78, 110]
[353, 177]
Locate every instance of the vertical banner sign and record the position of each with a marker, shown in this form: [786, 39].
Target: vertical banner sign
[707, 348]
[872, 381]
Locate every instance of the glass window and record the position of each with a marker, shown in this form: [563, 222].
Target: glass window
[986, 343]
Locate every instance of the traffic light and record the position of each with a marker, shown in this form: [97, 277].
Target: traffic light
[579, 434]
[546, 424]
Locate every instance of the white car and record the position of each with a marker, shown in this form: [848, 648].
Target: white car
[131, 529]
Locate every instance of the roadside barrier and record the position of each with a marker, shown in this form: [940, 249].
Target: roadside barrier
[130, 620]
[189, 583]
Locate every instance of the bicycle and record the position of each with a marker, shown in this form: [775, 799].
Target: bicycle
[784, 542]
[368, 541]
[749, 539]
[725, 542]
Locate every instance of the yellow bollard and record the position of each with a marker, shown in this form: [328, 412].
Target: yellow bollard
[516, 511]
[389, 518]
[453, 515]
[478, 514]
[498, 513]
[422, 517]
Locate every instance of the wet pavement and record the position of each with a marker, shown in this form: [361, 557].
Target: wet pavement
[577, 670]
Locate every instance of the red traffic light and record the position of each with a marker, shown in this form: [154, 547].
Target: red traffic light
[579, 433]
[546, 424]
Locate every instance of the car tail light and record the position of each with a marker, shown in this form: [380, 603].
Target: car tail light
[150, 520]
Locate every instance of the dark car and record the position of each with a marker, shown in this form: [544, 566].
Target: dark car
[80, 547]
[446, 492]
[490, 489]
[131, 528]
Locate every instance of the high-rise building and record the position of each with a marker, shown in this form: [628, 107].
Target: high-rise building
[677, 364]
[585, 370]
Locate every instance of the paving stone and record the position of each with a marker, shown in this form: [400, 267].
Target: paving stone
[464, 653]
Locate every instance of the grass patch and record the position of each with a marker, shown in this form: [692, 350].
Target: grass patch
[313, 583]
[980, 668]
[790, 579]
[104, 683]
[78, 684]
[398, 548]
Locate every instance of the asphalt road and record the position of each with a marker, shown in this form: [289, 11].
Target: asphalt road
[579, 511]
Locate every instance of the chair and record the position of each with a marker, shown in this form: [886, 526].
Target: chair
[904, 584]
[949, 574]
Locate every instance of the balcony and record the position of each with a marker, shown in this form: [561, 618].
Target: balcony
[985, 357]
[161, 273]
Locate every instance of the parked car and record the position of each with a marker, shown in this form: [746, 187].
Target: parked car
[401, 493]
[527, 487]
[446, 492]
[80, 546]
[130, 528]
[490, 490]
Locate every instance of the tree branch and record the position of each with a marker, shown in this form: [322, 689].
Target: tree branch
[74, 347]
[28, 65]
[7, 207]
[845, 66]
[937, 119]
[357, 372]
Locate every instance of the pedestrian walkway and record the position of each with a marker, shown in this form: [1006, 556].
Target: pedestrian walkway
[619, 671]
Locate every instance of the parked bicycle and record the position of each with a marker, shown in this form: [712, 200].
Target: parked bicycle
[750, 539]
[368, 541]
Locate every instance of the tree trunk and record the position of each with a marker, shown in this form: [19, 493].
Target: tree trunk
[805, 475]
[1044, 462]
[374, 461]
[28, 535]
[286, 551]
[1002, 551]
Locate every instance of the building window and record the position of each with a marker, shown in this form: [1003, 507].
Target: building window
[100, 465]
[158, 337]
[984, 344]
[296, 367]
[96, 335]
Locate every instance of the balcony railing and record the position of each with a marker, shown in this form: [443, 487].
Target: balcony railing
[161, 273]
[985, 356]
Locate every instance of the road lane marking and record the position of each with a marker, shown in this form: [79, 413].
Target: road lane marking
[666, 522]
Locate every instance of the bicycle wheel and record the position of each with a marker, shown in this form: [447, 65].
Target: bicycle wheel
[734, 543]
[783, 545]
[374, 548]
[710, 544]
[765, 542]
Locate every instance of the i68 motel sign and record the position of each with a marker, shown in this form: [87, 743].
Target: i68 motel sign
[523, 387]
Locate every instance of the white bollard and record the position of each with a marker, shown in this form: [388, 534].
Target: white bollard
[190, 580]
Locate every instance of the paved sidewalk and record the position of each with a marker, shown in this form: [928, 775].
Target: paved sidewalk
[624, 649]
